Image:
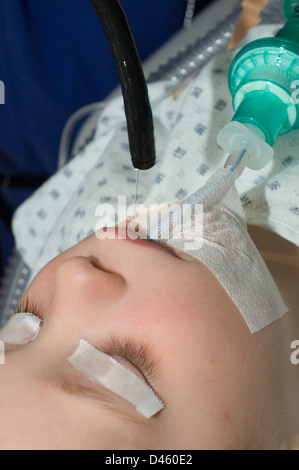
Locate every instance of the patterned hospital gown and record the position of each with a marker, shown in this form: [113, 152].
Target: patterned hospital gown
[64, 210]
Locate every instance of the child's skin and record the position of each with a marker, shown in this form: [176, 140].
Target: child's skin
[222, 386]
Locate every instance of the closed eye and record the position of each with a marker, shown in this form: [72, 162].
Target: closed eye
[106, 371]
[135, 352]
[27, 306]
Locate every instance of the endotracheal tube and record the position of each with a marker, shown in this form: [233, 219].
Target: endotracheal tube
[207, 195]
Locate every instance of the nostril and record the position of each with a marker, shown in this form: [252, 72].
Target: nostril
[95, 262]
[83, 280]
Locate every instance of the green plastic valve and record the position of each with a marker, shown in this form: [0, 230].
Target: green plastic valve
[263, 79]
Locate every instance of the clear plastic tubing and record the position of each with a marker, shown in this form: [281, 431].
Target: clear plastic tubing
[263, 79]
[207, 195]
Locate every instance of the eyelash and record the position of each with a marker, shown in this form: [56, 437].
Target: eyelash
[137, 354]
[26, 306]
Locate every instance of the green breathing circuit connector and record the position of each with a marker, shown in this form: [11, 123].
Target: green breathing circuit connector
[263, 79]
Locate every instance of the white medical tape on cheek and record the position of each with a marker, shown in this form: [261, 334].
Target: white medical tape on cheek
[226, 248]
[232, 257]
[21, 328]
[108, 372]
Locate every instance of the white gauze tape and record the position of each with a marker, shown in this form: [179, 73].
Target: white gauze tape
[21, 328]
[221, 242]
[108, 372]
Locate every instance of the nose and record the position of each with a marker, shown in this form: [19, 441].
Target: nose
[83, 290]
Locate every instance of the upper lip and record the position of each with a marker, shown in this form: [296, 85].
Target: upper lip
[150, 243]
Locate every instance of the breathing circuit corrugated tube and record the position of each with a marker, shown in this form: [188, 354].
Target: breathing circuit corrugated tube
[134, 89]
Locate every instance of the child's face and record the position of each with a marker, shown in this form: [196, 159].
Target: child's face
[212, 374]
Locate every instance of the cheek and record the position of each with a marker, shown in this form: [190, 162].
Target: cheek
[163, 298]
[155, 301]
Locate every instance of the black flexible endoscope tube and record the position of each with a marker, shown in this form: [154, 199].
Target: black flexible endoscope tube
[134, 89]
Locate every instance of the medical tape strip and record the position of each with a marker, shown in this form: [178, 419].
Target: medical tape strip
[21, 328]
[108, 372]
[223, 245]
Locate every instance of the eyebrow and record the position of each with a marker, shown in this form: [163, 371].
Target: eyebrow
[103, 398]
